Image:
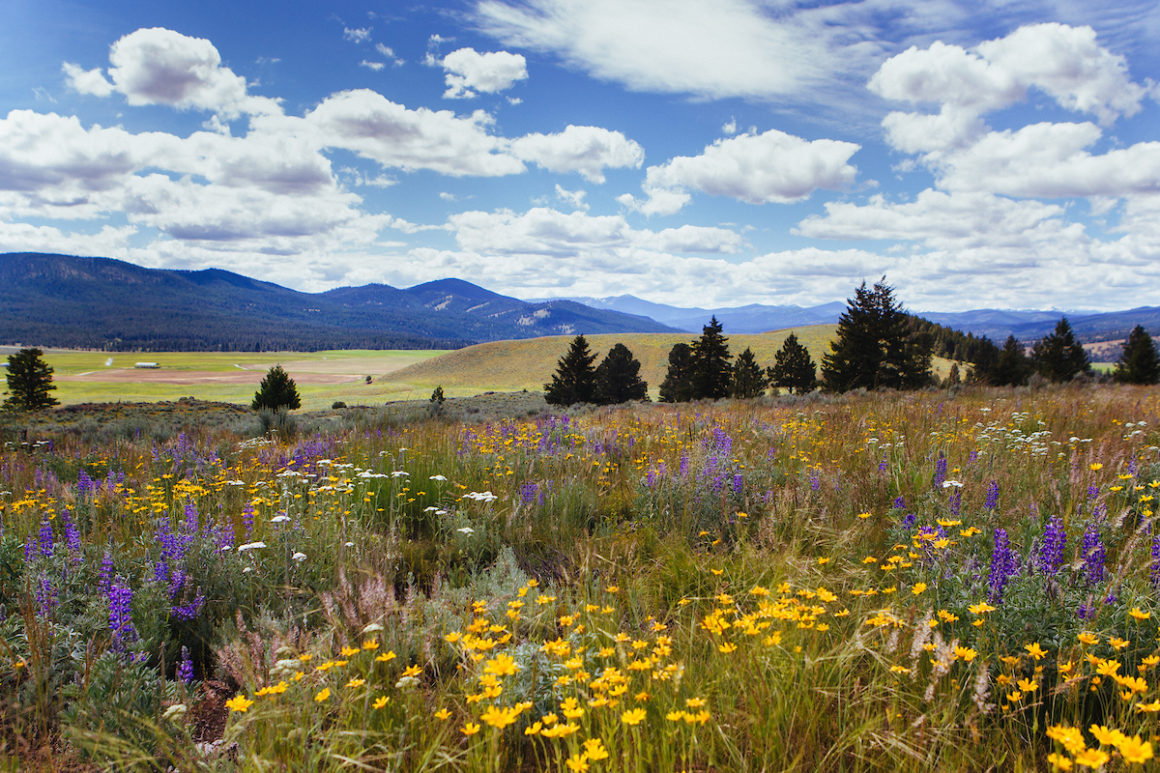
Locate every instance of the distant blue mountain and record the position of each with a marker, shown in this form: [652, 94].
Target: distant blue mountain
[996, 324]
[61, 300]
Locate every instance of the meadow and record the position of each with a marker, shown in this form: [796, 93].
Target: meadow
[936, 580]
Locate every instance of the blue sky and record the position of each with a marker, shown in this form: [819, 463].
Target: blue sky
[982, 154]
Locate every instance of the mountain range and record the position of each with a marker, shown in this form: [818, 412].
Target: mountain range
[996, 324]
[104, 303]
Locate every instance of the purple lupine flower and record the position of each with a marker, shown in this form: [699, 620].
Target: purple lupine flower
[105, 576]
[248, 518]
[738, 483]
[45, 538]
[85, 484]
[909, 521]
[940, 471]
[185, 666]
[1154, 573]
[899, 502]
[189, 610]
[815, 481]
[1093, 555]
[956, 502]
[30, 547]
[882, 465]
[1003, 566]
[1085, 612]
[650, 478]
[1052, 547]
[1093, 491]
[973, 456]
[46, 597]
[528, 492]
[121, 614]
[992, 495]
[72, 537]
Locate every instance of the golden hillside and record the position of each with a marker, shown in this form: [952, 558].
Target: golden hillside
[529, 363]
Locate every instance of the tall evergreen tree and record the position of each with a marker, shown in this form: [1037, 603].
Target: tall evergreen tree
[1139, 363]
[793, 368]
[711, 370]
[277, 390]
[874, 347]
[1011, 366]
[575, 378]
[1058, 356]
[29, 382]
[618, 378]
[677, 386]
[749, 379]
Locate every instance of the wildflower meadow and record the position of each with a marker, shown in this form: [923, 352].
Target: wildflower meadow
[932, 580]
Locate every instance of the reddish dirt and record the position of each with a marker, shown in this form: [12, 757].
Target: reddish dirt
[187, 377]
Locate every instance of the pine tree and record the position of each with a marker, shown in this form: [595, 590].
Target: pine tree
[793, 368]
[1139, 362]
[1059, 356]
[618, 378]
[276, 391]
[953, 377]
[29, 382]
[874, 347]
[678, 384]
[711, 371]
[575, 378]
[1012, 366]
[749, 379]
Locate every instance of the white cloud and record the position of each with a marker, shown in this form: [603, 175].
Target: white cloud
[1064, 62]
[588, 150]
[87, 81]
[575, 198]
[393, 135]
[773, 167]
[357, 34]
[376, 66]
[469, 72]
[694, 239]
[157, 66]
[729, 48]
[941, 221]
[389, 53]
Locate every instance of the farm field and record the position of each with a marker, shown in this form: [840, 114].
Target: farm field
[896, 581]
[322, 377]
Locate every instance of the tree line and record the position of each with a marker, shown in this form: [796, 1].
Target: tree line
[877, 345]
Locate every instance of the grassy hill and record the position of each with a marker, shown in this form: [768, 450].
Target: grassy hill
[528, 364]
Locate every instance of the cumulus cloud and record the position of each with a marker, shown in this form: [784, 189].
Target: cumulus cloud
[356, 34]
[588, 150]
[773, 167]
[469, 72]
[575, 198]
[87, 81]
[376, 66]
[367, 123]
[1066, 63]
[157, 66]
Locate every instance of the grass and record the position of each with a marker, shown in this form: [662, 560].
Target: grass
[813, 583]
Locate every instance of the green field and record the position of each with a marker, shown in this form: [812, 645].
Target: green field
[322, 377]
[329, 376]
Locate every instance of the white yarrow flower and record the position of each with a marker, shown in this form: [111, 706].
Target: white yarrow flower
[299, 556]
[251, 546]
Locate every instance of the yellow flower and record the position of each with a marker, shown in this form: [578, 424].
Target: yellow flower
[578, 762]
[349, 651]
[356, 682]
[727, 647]
[1107, 736]
[380, 702]
[1088, 638]
[918, 588]
[370, 644]
[322, 695]
[412, 671]
[1034, 650]
[1133, 750]
[1139, 614]
[594, 749]
[1092, 758]
[1095, 467]
[965, 654]
[633, 716]
[501, 665]
[442, 714]
[470, 729]
[239, 703]
[386, 657]
[1058, 761]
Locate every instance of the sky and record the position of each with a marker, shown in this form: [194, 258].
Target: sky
[981, 154]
